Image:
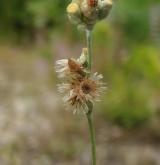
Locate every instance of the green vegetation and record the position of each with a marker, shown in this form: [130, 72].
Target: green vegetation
[134, 87]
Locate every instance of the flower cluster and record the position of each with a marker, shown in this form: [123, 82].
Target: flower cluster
[85, 13]
[80, 90]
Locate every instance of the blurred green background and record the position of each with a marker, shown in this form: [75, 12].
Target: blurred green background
[35, 128]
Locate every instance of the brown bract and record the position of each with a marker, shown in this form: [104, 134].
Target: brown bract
[74, 66]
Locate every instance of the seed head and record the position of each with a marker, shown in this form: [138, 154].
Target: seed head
[79, 92]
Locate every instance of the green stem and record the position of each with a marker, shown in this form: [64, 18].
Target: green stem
[90, 106]
[89, 46]
[92, 136]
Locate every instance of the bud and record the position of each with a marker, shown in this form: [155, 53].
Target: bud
[73, 8]
[85, 51]
[83, 58]
[85, 13]
[74, 13]
[104, 8]
[90, 14]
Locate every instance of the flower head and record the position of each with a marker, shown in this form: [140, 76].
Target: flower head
[85, 13]
[78, 93]
[72, 68]
[68, 67]
[80, 88]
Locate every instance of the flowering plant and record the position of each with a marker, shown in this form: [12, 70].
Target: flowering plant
[81, 87]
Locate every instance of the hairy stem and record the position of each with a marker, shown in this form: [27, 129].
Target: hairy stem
[90, 106]
[92, 136]
[89, 46]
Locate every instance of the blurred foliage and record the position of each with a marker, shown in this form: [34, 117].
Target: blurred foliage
[47, 12]
[132, 75]
[25, 17]
[131, 65]
[133, 17]
[135, 86]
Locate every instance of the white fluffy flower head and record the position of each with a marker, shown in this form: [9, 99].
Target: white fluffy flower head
[80, 89]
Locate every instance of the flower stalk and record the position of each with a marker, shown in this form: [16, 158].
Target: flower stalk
[90, 106]
[92, 135]
[89, 46]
